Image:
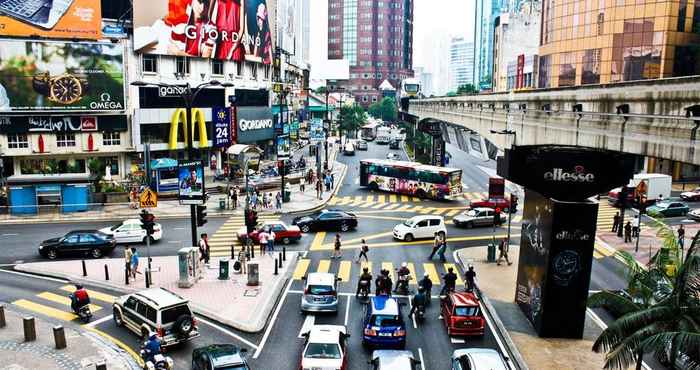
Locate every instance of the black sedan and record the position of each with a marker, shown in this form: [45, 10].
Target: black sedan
[80, 242]
[219, 356]
[326, 220]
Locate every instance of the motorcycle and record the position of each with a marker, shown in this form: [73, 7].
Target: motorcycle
[419, 314]
[364, 289]
[158, 362]
[402, 288]
[84, 312]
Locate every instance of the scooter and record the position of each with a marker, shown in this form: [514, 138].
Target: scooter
[364, 289]
[402, 288]
[83, 312]
[419, 313]
[158, 362]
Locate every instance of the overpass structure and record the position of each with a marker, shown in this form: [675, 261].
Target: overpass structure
[655, 118]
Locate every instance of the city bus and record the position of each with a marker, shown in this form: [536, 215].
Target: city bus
[369, 131]
[411, 178]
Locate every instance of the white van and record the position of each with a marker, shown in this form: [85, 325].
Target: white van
[349, 148]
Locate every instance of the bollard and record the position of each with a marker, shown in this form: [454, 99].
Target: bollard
[59, 337]
[2, 316]
[276, 266]
[279, 260]
[251, 247]
[148, 280]
[284, 253]
[106, 272]
[126, 275]
[29, 329]
[84, 268]
[101, 365]
[233, 251]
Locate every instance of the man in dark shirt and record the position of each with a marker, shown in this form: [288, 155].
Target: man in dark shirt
[450, 280]
[470, 278]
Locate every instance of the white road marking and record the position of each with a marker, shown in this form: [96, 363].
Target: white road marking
[353, 294]
[272, 321]
[10, 234]
[309, 321]
[596, 319]
[347, 311]
[174, 241]
[457, 340]
[420, 356]
[36, 276]
[493, 330]
[100, 321]
[179, 228]
[227, 332]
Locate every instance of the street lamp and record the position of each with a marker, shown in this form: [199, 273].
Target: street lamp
[510, 199]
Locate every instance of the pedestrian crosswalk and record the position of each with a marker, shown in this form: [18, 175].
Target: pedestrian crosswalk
[227, 235]
[601, 251]
[606, 214]
[57, 306]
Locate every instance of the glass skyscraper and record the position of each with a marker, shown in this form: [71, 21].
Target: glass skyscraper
[486, 13]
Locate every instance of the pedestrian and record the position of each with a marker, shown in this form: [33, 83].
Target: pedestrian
[134, 263]
[271, 242]
[269, 200]
[427, 284]
[204, 248]
[437, 242]
[302, 186]
[628, 232]
[234, 197]
[278, 200]
[332, 176]
[319, 189]
[616, 222]
[470, 278]
[127, 260]
[681, 237]
[336, 247]
[265, 200]
[327, 180]
[635, 226]
[364, 248]
[441, 251]
[254, 200]
[243, 259]
[503, 252]
[262, 239]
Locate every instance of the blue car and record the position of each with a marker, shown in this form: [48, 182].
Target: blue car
[383, 324]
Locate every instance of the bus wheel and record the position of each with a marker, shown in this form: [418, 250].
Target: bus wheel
[420, 193]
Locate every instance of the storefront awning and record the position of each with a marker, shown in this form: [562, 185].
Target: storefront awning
[48, 179]
[237, 149]
[162, 163]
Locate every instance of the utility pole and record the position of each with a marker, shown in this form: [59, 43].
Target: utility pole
[188, 97]
[147, 167]
[326, 130]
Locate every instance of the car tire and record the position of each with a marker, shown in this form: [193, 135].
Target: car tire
[408, 238]
[286, 241]
[96, 253]
[421, 194]
[469, 225]
[52, 254]
[183, 325]
[305, 228]
[117, 317]
[344, 227]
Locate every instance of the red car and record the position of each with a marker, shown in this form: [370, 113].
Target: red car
[462, 314]
[283, 233]
[691, 196]
[502, 203]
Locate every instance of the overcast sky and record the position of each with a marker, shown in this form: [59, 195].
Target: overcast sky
[449, 18]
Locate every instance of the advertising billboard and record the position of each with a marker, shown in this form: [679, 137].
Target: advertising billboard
[222, 126]
[190, 179]
[254, 124]
[62, 19]
[283, 146]
[223, 29]
[61, 76]
[316, 133]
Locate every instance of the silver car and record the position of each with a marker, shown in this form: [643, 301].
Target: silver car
[320, 293]
[393, 360]
[477, 217]
[478, 359]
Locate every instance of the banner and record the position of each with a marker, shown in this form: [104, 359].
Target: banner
[316, 133]
[57, 76]
[222, 126]
[220, 29]
[254, 124]
[190, 179]
[283, 147]
[61, 19]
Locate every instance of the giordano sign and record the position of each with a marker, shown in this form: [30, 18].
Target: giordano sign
[196, 118]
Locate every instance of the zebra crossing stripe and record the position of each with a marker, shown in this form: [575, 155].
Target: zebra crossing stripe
[300, 270]
[324, 266]
[344, 270]
[392, 198]
[404, 198]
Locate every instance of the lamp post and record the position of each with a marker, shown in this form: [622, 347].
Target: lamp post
[188, 95]
[510, 199]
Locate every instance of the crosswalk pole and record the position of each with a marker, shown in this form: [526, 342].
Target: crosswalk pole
[284, 253]
[106, 272]
[84, 268]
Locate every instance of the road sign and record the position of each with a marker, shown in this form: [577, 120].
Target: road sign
[148, 199]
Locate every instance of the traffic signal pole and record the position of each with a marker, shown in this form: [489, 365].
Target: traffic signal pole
[147, 160]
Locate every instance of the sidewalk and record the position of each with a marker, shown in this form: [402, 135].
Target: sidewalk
[497, 284]
[84, 349]
[243, 307]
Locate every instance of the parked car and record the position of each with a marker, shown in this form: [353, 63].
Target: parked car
[691, 196]
[130, 231]
[502, 203]
[478, 359]
[325, 347]
[156, 310]
[219, 357]
[668, 209]
[284, 233]
[392, 156]
[420, 227]
[320, 293]
[395, 144]
[461, 314]
[694, 215]
[388, 359]
[326, 220]
[78, 243]
[361, 145]
[384, 325]
[477, 217]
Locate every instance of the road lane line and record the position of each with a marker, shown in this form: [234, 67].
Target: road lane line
[318, 241]
[62, 300]
[300, 270]
[420, 242]
[358, 240]
[495, 334]
[272, 321]
[420, 356]
[99, 321]
[347, 311]
[309, 321]
[118, 342]
[324, 266]
[45, 310]
[344, 271]
[457, 340]
[227, 332]
[35, 276]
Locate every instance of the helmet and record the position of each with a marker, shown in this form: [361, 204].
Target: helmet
[404, 264]
[78, 286]
[421, 289]
[365, 269]
[426, 275]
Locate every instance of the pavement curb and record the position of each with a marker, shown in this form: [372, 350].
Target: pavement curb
[514, 355]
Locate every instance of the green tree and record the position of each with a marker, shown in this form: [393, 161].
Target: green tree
[384, 109]
[351, 119]
[466, 89]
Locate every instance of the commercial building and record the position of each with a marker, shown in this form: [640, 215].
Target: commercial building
[376, 37]
[426, 80]
[604, 41]
[461, 63]
[484, 20]
[516, 37]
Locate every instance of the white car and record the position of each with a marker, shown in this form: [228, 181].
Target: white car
[694, 215]
[325, 348]
[130, 231]
[392, 156]
[478, 359]
[420, 227]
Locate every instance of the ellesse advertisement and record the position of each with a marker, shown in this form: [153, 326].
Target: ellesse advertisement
[254, 124]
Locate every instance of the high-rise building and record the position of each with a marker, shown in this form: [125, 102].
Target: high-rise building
[516, 39]
[461, 63]
[376, 37]
[485, 16]
[590, 42]
[426, 80]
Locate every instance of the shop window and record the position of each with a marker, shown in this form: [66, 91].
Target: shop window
[567, 69]
[111, 138]
[113, 163]
[51, 166]
[591, 67]
[150, 63]
[65, 140]
[182, 65]
[239, 68]
[17, 141]
[217, 68]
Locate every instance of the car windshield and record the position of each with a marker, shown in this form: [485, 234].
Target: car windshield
[466, 311]
[232, 367]
[320, 289]
[171, 314]
[409, 222]
[322, 350]
[663, 204]
[116, 226]
[385, 320]
[471, 212]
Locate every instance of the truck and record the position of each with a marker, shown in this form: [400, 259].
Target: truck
[644, 187]
[383, 135]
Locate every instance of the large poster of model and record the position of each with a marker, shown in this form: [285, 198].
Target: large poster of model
[409, 187]
[219, 29]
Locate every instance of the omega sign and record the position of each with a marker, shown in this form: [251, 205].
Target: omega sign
[560, 175]
[254, 124]
[106, 103]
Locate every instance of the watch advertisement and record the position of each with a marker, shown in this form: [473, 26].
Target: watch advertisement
[217, 29]
[56, 76]
[190, 178]
[61, 19]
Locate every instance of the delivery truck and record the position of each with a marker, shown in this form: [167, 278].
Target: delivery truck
[645, 187]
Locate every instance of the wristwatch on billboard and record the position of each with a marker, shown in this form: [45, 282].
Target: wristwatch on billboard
[63, 89]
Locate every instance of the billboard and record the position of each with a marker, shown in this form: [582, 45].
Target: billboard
[222, 126]
[222, 29]
[287, 22]
[190, 179]
[254, 124]
[64, 19]
[61, 76]
[316, 133]
[283, 146]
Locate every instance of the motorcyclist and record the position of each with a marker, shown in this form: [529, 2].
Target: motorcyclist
[380, 283]
[426, 284]
[151, 348]
[450, 281]
[79, 298]
[388, 282]
[366, 277]
[403, 275]
[418, 300]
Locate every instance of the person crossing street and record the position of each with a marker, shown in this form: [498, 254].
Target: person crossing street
[470, 278]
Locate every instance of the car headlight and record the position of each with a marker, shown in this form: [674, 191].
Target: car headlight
[41, 247]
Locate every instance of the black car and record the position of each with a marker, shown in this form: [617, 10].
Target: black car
[394, 144]
[326, 220]
[80, 242]
[219, 356]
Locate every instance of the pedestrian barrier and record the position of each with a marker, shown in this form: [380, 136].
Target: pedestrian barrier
[279, 260]
[29, 329]
[276, 272]
[59, 337]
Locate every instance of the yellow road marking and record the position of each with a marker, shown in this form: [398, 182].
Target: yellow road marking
[403, 208]
[324, 266]
[411, 268]
[452, 212]
[300, 270]
[93, 294]
[344, 270]
[437, 211]
[318, 240]
[392, 206]
[389, 267]
[427, 242]
[119, 343]
[358, 240]
[333, 201]
[381, 198]
[45, 310]
[597, 255]
[432, 273]
[380, 205]
[415, 199]
[370, 199]
[456, 271]
[63, 300]
[604, 251]
[404, 198]
[417, 208]
[392, 198]
[367, 264]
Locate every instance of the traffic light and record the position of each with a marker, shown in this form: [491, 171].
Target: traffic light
[147, 221]
[201, 215]
[497, 217]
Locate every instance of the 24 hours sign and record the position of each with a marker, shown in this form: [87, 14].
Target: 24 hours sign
[222, 126]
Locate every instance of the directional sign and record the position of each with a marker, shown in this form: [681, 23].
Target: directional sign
[148, 199]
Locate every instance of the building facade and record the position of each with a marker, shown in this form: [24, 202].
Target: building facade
[516, 37]
[376, 37]
[461, 61]
[605, 41]
[484, 18]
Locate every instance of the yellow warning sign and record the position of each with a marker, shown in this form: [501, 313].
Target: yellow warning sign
[148, 199]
